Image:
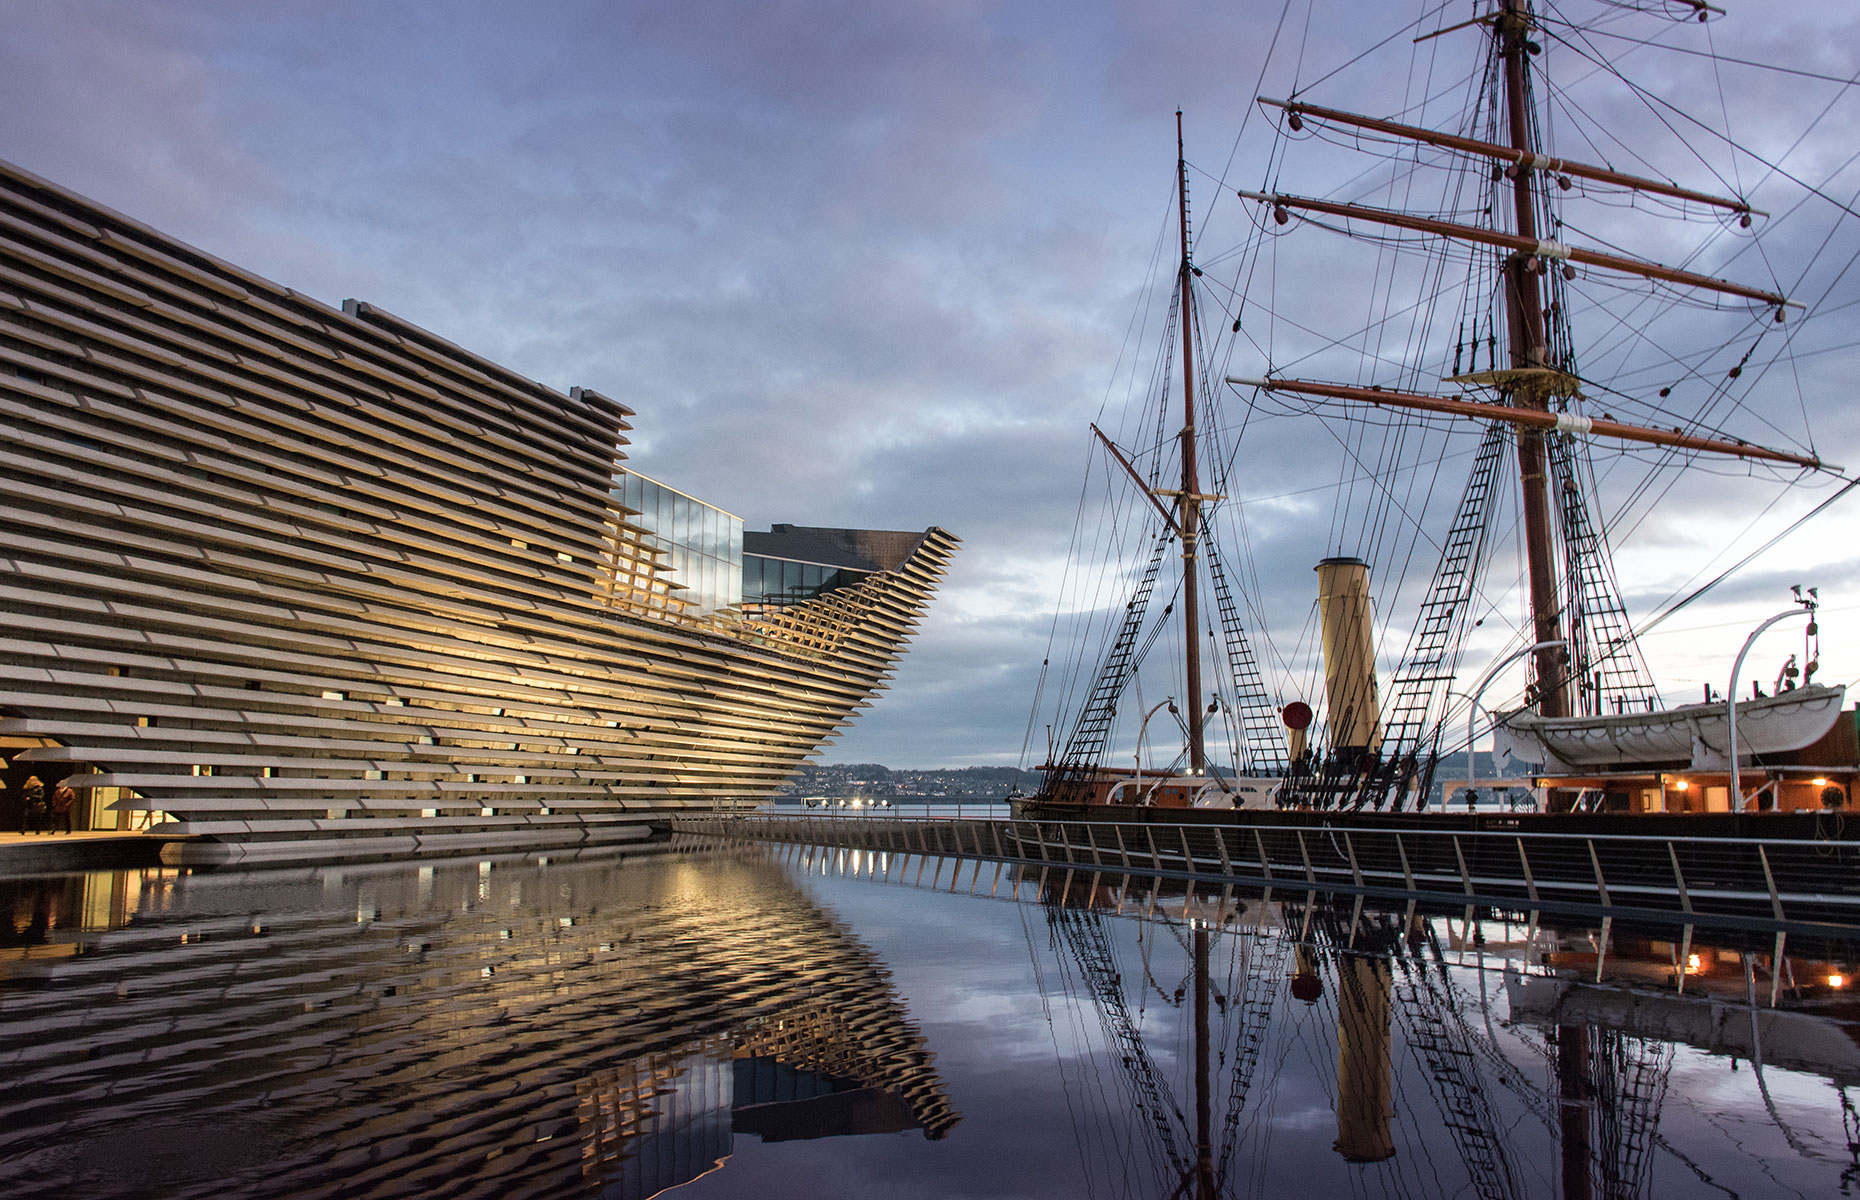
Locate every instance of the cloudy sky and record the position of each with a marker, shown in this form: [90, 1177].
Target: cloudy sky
[876, 264]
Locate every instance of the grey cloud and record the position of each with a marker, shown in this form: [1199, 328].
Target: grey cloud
[853, 264]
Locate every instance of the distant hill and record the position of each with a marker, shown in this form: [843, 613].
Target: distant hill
[871, 779]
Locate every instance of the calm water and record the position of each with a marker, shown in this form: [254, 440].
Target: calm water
[795, 1023]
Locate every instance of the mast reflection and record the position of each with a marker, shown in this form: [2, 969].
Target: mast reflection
[1538, 1058]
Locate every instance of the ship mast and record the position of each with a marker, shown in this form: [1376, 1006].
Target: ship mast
[1189, 500]
[1536, 389]
[1524, 308]
[1530, 381]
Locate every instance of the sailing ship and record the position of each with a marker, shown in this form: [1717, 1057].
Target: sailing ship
[1507, 280]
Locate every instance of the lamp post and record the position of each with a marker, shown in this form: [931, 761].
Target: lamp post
[1167, 701]
[1472, 712]
[1807, 607]
[1485, 680]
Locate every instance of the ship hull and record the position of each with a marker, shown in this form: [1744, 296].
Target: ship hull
[293, 581]
[1825, 827]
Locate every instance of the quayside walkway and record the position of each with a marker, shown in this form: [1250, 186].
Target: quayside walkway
[1810, 886]
[87, 850]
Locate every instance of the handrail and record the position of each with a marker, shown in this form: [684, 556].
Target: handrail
[872, 816]
[1768, 883]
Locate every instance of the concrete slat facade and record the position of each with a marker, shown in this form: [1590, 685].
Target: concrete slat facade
[292, 574]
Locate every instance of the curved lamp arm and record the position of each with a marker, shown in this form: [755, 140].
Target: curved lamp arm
[1730, 697]
[1485, 680]
[1168, 701]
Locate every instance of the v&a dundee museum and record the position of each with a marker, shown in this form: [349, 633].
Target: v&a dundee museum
[287, 581]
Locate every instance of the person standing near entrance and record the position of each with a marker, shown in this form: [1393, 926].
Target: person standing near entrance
[64, 799]
[32, 812]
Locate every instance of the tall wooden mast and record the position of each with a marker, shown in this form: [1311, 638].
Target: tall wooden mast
[1189, 502]
[1537, 392]
[1524, 308]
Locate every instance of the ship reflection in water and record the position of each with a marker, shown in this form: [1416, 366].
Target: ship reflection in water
[762, 1023]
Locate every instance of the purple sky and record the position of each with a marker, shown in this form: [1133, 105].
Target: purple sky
[874, 264]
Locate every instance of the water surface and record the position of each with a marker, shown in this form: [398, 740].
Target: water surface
[792, 1022]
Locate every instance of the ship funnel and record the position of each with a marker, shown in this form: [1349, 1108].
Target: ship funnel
[1349, 654]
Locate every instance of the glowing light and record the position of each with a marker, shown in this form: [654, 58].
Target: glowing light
[1835, 981]
[1693, 965]
[1681, 785]
[1821, 782]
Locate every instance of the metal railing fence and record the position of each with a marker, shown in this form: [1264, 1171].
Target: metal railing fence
[1808, 883]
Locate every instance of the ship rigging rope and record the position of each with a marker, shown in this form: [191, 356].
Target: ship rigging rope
[1052, 635]
[1651, 101]
[1589, 52]
[1082, 1137]
[1791, 331]
[1076, 577]
[1741, 563]
[1410, 27]
[1724, 108]
[1375, 525]
[1740, 405]
[1420, 330]
[1233, 151]
[1713, 54]
[1686, 296]
[1369, 474]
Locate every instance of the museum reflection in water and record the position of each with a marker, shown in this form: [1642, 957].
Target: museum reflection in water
[570, 1028]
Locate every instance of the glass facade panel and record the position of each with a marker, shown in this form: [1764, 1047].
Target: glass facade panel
[703, 545]
[702, 555]
[788, 581]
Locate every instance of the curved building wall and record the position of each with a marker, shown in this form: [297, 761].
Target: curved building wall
[318, 582]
